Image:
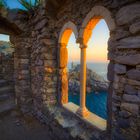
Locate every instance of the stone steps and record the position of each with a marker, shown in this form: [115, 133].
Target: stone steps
[7, 105]
[7, 98]
[3, 83]
[6, 89]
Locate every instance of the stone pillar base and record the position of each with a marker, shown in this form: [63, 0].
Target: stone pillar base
[83, 112]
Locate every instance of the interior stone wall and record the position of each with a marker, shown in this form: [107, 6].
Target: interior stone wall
[37, 58]
[7, 67]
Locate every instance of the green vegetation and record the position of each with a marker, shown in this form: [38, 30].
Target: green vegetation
[30, 5]
[1, 4]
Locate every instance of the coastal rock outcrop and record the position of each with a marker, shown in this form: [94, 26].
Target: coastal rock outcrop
[94, 82]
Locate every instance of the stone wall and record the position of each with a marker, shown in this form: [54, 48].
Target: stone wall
[37, 59]
[7, 67]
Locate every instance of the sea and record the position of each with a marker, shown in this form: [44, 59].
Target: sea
[95, 102]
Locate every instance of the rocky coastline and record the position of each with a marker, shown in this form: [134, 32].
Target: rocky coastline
[95, 83]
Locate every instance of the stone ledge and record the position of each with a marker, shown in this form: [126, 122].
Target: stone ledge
[92, 119]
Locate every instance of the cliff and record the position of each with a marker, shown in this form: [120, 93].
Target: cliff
[95, 82]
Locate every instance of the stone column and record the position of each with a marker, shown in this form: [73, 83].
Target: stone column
[82, 111]
[63, 74]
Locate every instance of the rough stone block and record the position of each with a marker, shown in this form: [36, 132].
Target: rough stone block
[118, 34]
[120, 69]
[133, 108]
[138, 67]
[116, 78]
[133, 82]
[130, 90]
[48, 42]
[139, 93]
[110, 73]
[124, 114]
[123, 123]
[24, 61]
[51, 90]
[127, 14]
[131, 98]
[131, 60]
[135, 28]
[50, 63]
[133, 74]
[41, 24]
[129, 43]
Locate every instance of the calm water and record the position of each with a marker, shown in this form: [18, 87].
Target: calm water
[96, 103]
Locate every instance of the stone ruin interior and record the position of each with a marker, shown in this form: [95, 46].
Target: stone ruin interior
[36, 74]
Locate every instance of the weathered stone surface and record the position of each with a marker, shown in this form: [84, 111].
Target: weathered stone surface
[118, 34]
[133, 74]
[110, 73]
[133, 82]
[63, 57]
[133, 108]
[120, 69]
[50, 63]
[24, 61]
[139, 93]
[138, 67]
[115, 97]
[127, 14]
[48, 42]
[131, 98]
[41, 24]
[42, 63]
[128, 60]
[124, 123]
[51, 90]
[130, 90]
[129, 43]
[124, 114]
[135, 28]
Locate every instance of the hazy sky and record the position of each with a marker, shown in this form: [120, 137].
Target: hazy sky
[4, 37]
[97, 45]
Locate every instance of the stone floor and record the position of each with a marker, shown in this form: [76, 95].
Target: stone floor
[14, 126]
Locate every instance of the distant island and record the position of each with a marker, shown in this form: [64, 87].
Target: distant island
[95, 82]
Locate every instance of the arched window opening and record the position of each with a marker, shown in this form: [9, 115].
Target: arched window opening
[73, 70]
[97, 83]
[68, 56]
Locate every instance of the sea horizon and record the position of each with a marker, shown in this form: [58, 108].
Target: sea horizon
[98, 67]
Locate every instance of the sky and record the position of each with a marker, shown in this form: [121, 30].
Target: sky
[97, 45]
[4, 37]
[14, 4]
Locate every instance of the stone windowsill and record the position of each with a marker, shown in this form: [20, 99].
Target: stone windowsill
[92, 118]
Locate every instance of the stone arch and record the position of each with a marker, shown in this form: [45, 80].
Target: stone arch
[92, 18]
[68, 28]
[64, 36]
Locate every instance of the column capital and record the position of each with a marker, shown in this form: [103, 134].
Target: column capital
[82, 46]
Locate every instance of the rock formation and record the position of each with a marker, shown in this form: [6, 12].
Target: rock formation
[95, 82]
